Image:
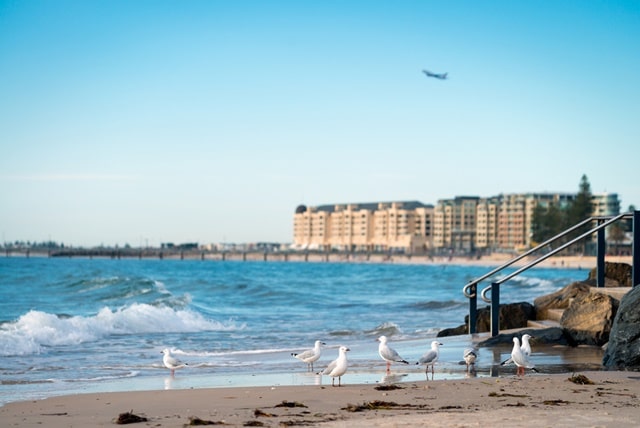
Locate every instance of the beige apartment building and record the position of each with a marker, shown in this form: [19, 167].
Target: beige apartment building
[462, 225]
[379, 226]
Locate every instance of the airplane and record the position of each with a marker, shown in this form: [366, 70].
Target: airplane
[442, 76]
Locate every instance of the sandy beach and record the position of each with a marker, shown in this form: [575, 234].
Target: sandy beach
[558, 400]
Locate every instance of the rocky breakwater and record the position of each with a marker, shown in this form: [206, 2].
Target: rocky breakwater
[580, 314]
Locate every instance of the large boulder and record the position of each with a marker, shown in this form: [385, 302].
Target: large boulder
[589, 318]
[512, 315]
[615, 275]
[560, 299]
[624, 340]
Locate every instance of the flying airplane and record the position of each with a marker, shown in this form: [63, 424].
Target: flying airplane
[442, 76]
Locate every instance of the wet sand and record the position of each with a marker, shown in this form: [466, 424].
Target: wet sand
[532, 400]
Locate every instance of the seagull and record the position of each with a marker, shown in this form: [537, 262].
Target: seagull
[520, 359]
[525, 348]
[337, 367]
[430, 357]
[389, 354]
[171, 362]
[470, 356]
[310, 355]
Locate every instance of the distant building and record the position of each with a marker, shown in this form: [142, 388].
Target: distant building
[605, 204]
[462, 225]
[377, 226]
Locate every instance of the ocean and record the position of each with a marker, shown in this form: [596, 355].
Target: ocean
[78, 325]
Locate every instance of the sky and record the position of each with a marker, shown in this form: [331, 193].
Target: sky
[143, 122]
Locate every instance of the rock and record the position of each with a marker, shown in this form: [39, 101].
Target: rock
[615, 275]
[512, 315]
[561, 299]
[624, 339]
[455, 331]
[589, 318]
[551, 335]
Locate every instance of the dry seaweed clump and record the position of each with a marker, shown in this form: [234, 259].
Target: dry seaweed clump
[196, 421]
[290, 404]
[129, 418]
[580, 379]
[380, 405]
[391, 387]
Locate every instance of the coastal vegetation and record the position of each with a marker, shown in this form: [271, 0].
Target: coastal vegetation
[553, 218]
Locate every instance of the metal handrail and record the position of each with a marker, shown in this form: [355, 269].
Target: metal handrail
[521, 256]
[555, 251]
[603, 221]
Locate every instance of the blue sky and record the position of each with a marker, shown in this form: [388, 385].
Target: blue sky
[180, 121]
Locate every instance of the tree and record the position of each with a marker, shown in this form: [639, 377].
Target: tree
[551, 220]
[582, 206]
[579, 210]
[547, 222]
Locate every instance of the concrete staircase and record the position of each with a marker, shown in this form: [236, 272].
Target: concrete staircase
[555, 315]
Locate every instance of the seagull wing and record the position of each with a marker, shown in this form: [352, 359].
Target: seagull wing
[304, 355]
[429, 357]
[391, 354]
[332, 365]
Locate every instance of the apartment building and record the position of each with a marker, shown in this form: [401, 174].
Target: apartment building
[378, 226]
[464, 224]
[605, 204]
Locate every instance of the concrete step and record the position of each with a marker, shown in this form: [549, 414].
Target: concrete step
[615, 292]
[543, 324]
[555, 314]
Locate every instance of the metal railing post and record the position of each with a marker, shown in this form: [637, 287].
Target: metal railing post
[635, 262]
[600, 251]
[473, 309]
[495, 309]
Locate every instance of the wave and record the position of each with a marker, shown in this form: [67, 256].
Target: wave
[436, 304]
[385, 329]
[35, 330]
[527, 281]
[115, 289]
[124, 375]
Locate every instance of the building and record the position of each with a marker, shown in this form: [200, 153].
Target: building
[605, 204]
[378, 226]
[462, 225]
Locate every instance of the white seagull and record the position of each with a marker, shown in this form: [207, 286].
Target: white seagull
[430, 357]
[310, 356]
[171, 362]
[470, 356]
[525, 348]
[337, 367]
[389, 354]
[520, 359]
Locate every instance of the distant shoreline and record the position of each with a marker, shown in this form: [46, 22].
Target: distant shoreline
[568, 262]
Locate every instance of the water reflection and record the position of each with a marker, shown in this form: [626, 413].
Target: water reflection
[393, 378]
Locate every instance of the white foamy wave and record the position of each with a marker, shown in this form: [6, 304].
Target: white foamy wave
[532, 281]
[35, 329]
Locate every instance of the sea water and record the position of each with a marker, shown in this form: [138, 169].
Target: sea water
[83, 325]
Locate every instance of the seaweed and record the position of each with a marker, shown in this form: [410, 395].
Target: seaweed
[129, 418]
